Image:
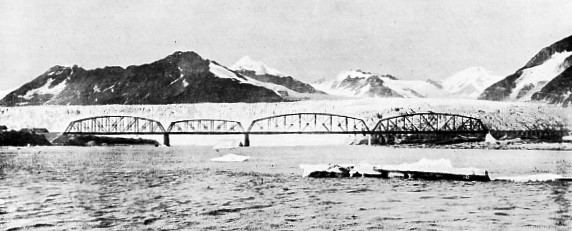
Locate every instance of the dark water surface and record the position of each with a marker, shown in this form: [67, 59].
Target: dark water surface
[177, 188]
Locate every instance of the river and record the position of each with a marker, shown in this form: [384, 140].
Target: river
[135, 188]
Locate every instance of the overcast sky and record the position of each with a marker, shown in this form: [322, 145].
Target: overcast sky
[414, 39]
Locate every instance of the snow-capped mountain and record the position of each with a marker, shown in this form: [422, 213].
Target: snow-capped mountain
[261, 72]
[546, 77]
[259, 68]
[183, 77]
[358, 83]
[470, 82]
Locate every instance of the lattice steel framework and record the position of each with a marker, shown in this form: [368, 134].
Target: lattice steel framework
[115, 125]
[308, 123]
[206, 126]
[430, 123]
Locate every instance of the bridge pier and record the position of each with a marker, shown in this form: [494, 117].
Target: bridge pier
[246, 140]
[166, 140]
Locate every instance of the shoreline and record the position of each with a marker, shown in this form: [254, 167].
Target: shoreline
[500, 145]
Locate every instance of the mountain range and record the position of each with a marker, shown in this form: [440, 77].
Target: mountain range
[186, 77]
[358, 83]
[182, 77]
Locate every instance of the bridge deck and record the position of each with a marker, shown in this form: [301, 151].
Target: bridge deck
[276, 133]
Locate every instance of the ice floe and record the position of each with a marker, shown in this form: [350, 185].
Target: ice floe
[545, 177]
[231, 158]
[440, 169]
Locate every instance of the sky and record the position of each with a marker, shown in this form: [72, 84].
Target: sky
[307, 39]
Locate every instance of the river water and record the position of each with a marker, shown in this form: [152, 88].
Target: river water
[134, 188]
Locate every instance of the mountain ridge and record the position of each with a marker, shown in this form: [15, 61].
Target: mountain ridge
[261, 72]
[182, 77]
[359, 83]
[544, 78]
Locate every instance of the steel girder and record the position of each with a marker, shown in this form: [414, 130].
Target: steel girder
[206, 126]
[115, 125]
[308, 123]
[430, 123]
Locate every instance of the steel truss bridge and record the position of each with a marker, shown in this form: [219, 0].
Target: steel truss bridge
[430, 123]
[297, 123]
[419, 126]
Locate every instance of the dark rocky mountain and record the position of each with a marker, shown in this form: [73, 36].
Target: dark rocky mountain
[546, 78]
[369, 87]
[259, 71]
[183, 77]
[435, 83]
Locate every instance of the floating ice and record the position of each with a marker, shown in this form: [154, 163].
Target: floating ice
[309, 168]
[489, 138]
[531, 178]
[231, 158]
[423, 169]
[339, 170]
[437, 166]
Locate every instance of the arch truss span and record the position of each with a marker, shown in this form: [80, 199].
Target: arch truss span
[206, 126]
[115, 125]
[430, 123]
[308, 123]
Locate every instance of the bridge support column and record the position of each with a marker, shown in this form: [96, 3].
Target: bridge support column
[166, 140]
[246, 140]
[369, 139]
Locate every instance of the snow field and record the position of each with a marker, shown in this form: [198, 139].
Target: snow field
[539, 76]
[259, 68]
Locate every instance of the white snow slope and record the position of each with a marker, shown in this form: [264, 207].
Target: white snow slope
[259, 68]
[223, 72]
[535, 78]
[405, 88]
[470, 83]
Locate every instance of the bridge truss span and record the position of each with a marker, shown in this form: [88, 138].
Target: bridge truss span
[206, 126]
[115, 125]
[308, 123]
[429, 123]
